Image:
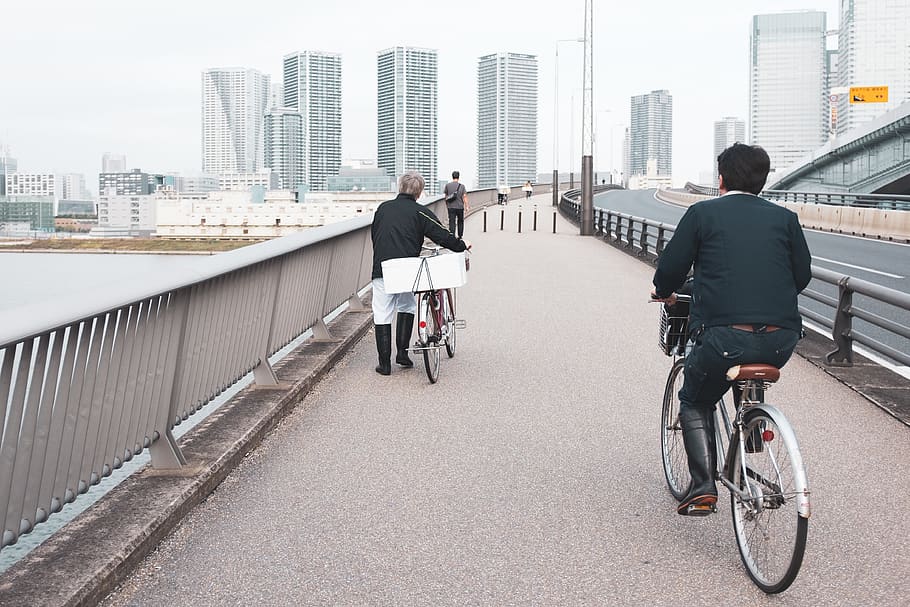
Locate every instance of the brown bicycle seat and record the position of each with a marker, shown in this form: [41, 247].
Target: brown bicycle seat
[753, 371]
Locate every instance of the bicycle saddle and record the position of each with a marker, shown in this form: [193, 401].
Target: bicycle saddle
[753, 371]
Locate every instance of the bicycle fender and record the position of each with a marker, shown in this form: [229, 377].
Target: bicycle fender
[803, 505]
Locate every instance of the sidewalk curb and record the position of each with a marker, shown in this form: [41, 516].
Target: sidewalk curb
[84, 561]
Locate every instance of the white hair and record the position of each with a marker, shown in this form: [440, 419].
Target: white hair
[411, 183]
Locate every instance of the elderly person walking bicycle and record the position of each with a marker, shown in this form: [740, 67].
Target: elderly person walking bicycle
[399, 227]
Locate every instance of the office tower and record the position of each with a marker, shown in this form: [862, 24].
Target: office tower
[7, 165]
[626, 158]
[788, 113]
[113, 163]
[873, 50]
[728, 131]
[284, 149]
[651, 133]
[234, 102]
[312, 87]
[407, 137]
[506, 119]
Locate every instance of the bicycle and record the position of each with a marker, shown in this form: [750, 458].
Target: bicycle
[436, 323]
[758, 461]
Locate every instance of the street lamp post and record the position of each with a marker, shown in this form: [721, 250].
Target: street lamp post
[556, 123]
[587, 158]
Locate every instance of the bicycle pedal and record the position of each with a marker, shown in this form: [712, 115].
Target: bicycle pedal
[460, 324]
[700, 509]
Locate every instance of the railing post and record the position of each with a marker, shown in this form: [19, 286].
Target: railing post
[843, 327]
[630, 233]
[618, 232]
[660, 239]
[643, 238]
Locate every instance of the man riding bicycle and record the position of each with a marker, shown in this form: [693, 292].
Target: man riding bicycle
[750, 262]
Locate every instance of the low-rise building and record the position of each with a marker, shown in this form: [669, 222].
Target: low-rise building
[36, 211]
[237, 215]
[651, 179]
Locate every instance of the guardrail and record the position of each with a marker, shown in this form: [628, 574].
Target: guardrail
[842, 199]
[647, 239]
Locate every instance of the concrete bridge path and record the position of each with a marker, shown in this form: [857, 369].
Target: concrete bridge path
[530, 474]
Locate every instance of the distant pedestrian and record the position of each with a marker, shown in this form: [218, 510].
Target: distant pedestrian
[457, 203]
[528, 189]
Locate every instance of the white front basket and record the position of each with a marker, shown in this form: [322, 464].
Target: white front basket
[412, 274]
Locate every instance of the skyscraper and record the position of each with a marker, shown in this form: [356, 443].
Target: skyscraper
[407, 123]
[234, 102]
[312, 87]
[728, 131]
[788, 101]
[651, 133]
[873, 50]
[284, 150]
[113, 163]
[506, 119]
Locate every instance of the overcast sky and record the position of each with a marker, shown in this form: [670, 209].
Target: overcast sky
[83, 78]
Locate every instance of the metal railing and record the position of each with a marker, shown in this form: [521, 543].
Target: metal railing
[647, 239]
[844, 199]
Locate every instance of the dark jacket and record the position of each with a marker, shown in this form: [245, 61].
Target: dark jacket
[751, 260]
[399, 226]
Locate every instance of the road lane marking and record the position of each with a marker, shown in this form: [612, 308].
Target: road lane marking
[863, 268]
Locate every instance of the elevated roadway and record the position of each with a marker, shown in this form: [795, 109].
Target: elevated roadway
[530, 473]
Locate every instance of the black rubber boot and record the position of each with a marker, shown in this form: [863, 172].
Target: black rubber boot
[403, 339]
[384, 348]
[698, 436]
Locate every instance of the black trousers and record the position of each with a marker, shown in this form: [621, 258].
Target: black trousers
[719, 348]
[456, 222]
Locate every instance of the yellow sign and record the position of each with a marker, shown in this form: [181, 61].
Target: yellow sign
[868, 94]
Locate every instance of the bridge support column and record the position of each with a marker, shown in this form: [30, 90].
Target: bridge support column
[587, 196]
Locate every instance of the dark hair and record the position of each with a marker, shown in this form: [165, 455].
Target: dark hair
[455, 174]
[744, 167]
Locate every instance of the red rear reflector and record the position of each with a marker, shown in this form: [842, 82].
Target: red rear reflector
[767, 436]
[423, 324]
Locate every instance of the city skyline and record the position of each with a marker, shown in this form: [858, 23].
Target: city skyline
[155, 121]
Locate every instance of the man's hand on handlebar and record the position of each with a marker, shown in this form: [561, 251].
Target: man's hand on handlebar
[670, 300]
[467, 243]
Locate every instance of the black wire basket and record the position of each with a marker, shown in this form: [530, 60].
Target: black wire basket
[672, 332]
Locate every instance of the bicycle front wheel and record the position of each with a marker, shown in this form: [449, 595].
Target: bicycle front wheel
[428, 330]
[673, 450]
[771, 532]
[448, 316]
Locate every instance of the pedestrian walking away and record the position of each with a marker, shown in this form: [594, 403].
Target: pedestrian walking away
[528, 189]
[399, 227]
[457, 203]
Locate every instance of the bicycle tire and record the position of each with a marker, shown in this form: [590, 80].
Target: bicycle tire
[771, 534]
[429, 334]
[672, 448]
[448, 315]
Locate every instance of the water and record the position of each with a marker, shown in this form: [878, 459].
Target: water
[26, 278]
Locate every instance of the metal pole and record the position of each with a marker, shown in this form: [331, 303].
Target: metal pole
[502, 220]
[554, 222]
[586, 227]
[484, 220]
[535, 217]
[519, 219]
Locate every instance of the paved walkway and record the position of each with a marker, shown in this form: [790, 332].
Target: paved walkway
[530, 473]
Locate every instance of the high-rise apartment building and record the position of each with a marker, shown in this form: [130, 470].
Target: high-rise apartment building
[234, 102]
[284, 149]
[506, 119]
[7, 165]
[873, 50]
[651, 133]
[132, 183]
[74, 187]
[407, 122]
[727, 131]
[312, 87]
[788, 109]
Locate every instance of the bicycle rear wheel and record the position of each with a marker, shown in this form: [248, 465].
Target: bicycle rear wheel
[428, 332]
[448, 316]
[770, 530]
[673, 450]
